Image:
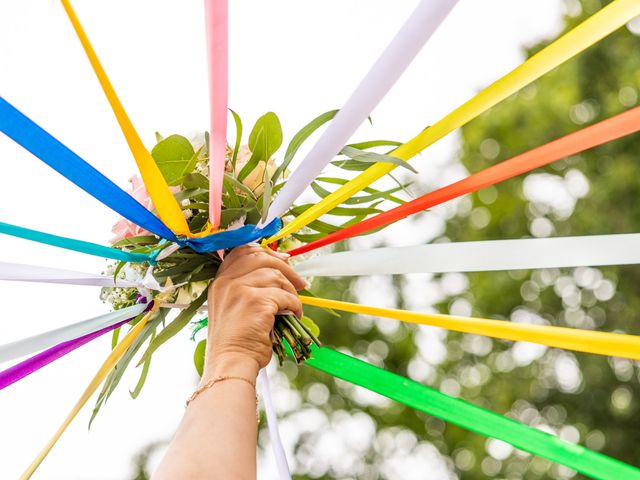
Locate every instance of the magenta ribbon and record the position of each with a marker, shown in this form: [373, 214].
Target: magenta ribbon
[27, 367]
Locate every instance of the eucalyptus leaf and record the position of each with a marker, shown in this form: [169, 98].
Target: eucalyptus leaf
[174, 155]
[143, 375]
[299, 138]
[372, 157]
[175, 326]
[198, 356]
[236, 147]
[264, 140]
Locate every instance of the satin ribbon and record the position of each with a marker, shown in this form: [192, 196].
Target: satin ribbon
[216, 24]
[523, 254]
[470, 417]
[113, 358]
[395, 59]
[75, 245]
[600, 343]
[231, 238]
[67, 333]
[42, 359]
[272, 424]
[168, 208]
[611, 129]
[19, 272]
[33, 138]
[598, 26]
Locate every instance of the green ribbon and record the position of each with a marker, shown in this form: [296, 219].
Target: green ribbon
[469, 416]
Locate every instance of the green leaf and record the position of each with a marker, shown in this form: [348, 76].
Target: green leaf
[114, 337]
[143, 375]
[239, 185]
[342, 181]
[174, 155]
[236, 147]
[264, 141]
[266, 195]
[372, 157]
[142, 239]
[311, 325]
[198, 356]
[299, 138]
[115, 375]
[374, 143]
[195, 181]
[338, 211]
[176, 325]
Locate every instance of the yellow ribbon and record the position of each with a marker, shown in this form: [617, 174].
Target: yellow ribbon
[584, 35]
[113, 358]
[601, 343]
[166, 205]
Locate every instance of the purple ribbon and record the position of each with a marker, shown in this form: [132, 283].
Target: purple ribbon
[42, 359]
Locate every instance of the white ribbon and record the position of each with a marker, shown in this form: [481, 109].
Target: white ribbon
[272, 423]
[523, 254]
[48, 339]
[383, 75]
[35, 273]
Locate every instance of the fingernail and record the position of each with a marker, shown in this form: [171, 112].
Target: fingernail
[283, 254]
[253, 244]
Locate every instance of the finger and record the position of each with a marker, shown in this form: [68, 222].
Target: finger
[267, 277]
[281, 255]
[283, 300]
[259, 259]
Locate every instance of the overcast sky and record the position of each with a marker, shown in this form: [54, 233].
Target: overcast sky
[296, 58]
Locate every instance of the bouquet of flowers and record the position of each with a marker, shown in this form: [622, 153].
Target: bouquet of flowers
[181, 276]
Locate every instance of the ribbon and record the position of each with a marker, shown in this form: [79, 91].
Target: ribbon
[395, 59]
[598, 26]
[168, 208]
[75, 245]
[113, 358]
[272, 423]
[216, 22]
[469, 416]
[611, 129]
[523, 254]
[33, 138]
[35, 363]
[231, 238]
[600, 343]
[19, 272]
[69, 334]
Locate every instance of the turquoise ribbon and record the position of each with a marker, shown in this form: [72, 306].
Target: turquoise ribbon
[76, 245]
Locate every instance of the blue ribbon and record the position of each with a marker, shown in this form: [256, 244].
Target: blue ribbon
[231, 238]
[76, 245]
[33, 138]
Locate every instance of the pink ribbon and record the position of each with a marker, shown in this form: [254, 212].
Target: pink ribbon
[216, 20]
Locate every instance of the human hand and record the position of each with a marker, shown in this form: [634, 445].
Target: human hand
[252, 285]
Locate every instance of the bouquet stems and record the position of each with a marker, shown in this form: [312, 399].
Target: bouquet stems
[296, 335]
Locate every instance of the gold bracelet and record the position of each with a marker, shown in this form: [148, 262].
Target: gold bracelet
[215, 380]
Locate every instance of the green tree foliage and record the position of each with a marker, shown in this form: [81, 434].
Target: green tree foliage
[580, 397]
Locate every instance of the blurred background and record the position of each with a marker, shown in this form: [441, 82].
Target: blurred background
[300, 59]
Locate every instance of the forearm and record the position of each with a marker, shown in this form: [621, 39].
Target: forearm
[218, 433]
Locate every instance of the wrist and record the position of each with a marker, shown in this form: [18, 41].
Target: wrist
[230, 363]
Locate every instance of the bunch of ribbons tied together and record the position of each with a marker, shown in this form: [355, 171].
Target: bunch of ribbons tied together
[170, 225]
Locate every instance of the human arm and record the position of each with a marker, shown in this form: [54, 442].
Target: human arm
[218, 433]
